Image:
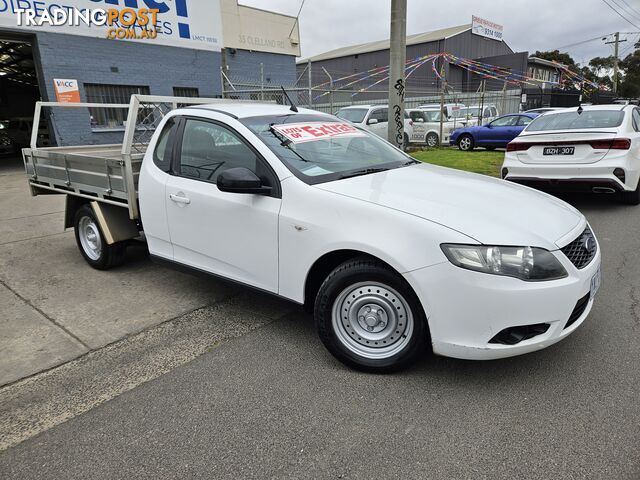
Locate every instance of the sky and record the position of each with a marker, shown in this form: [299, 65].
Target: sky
[528, 25]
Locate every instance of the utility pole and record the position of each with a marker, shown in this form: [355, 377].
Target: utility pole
[441, 114]
[616, 48]
[397, 61]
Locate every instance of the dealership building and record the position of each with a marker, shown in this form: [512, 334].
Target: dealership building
[198, 45]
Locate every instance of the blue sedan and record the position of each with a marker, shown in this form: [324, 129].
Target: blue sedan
[494, 134]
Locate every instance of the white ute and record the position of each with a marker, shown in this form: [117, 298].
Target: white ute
[394, 257]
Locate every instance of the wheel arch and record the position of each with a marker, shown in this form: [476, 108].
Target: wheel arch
[325, 264]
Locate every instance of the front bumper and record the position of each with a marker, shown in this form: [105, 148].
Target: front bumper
[574, 177]
[467, 309]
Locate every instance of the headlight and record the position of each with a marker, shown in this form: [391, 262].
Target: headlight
[526, 263]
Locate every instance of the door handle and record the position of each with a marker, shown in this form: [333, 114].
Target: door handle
[179, 199]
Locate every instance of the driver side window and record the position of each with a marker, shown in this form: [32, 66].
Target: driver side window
[505, 122]
[209, 148]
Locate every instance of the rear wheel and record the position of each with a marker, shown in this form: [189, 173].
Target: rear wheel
[632, 198]
[432, 140]
[466, 143]
[92, 243]
[369, 318]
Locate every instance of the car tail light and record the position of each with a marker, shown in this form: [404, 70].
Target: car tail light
[517, 146]
[615, 144]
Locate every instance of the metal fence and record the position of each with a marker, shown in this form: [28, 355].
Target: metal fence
[324, 98]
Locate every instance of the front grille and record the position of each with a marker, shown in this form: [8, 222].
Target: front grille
[578, 310]
[582, 250]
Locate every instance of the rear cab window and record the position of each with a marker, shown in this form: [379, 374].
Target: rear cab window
[162, 153]
[354, 115]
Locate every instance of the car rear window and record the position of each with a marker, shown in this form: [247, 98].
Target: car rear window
[574, 120]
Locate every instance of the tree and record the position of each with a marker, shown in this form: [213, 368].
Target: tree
[630, 86]
[557, 56]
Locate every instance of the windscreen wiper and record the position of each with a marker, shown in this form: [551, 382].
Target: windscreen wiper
[364, 171]
[285, 142]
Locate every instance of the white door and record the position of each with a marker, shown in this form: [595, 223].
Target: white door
[234, 235]
[380, 128]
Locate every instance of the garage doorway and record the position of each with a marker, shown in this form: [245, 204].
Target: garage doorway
[19, 91]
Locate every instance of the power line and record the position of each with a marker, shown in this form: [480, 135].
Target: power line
[630, 9]
[298, 18]
[621, 15]
[585, 41]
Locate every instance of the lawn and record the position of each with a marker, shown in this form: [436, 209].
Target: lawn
[477, 161]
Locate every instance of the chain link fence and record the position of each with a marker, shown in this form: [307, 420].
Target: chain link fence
[326, 98]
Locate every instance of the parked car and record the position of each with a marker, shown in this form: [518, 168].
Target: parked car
[374, 118]
[19, 130]
[447, 108]
[426, 127]
[595, 148]
[495, 134]
[6, 144]
[309, 207]
[470, 116]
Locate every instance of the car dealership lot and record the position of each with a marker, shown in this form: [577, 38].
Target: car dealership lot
[273, 402]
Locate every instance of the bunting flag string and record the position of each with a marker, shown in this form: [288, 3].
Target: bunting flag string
[377, 75]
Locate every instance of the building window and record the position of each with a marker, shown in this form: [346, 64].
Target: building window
[186, 92]
[110, 117]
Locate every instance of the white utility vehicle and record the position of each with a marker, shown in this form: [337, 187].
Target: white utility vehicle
[425, 128]
[447, 108]
[394, 257]
[374, 118]
[593, 148]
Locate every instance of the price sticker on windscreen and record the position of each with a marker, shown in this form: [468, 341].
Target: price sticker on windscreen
[308, 132]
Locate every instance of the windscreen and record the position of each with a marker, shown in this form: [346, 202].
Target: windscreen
[321, 148]
[467, 112]
[355, 115]
[574, 120]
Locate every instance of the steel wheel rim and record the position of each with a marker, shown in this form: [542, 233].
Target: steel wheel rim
[465, 143]
[90, 238]
[372, 320]
[431, 141]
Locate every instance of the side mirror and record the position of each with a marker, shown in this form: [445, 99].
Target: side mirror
[241, 180]
[488, 125]
[372, 121]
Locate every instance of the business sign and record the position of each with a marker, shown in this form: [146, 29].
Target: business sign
[485, 28]
[308, 132]
[67, 91]
[177, 23]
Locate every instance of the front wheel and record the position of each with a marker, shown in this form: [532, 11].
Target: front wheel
[369, 318]
[432, 140]
[92, 243]
[466, 143]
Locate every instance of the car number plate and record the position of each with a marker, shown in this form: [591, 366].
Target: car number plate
[596, 280]
[558, 150]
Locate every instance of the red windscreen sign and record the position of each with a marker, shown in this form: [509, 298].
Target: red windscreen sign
[308, 132]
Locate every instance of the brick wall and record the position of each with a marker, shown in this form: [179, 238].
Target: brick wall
[91, 60]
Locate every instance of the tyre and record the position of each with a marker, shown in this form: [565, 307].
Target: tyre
[432, 140]
[92, 244]
[369, 318]
[466, 143]
[633, 197]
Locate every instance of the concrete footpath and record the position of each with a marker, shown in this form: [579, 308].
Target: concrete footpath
[54, 306]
